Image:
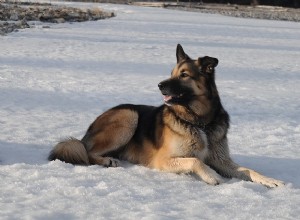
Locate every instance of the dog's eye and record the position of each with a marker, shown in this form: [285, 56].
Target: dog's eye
[183, 75]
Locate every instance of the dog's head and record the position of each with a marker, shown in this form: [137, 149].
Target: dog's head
[191, 80]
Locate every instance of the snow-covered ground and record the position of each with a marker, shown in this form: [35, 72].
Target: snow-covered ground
[54, 82]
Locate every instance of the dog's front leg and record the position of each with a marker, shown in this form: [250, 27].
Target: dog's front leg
[192, 165]
[259, 178]
[230, 169]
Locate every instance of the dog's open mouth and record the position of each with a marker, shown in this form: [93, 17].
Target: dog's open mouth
[169, 98]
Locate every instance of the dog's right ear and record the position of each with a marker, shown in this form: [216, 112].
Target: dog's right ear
[180, 54]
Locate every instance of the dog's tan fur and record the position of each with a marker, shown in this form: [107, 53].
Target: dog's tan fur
[188, 135]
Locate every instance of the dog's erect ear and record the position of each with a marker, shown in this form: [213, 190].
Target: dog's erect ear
[180, 54]
[208, 64]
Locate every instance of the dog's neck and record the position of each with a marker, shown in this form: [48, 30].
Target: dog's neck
[198, 114]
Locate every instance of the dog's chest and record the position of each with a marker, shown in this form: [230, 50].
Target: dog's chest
[192, 143]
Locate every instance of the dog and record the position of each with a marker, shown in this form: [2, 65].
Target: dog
[187, 134]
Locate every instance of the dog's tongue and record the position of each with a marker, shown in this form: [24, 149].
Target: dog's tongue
[167, 98]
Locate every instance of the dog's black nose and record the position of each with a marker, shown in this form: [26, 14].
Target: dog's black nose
[160, 86]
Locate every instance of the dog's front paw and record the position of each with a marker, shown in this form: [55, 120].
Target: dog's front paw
[111, 162]
[270, 182]
[212, 178]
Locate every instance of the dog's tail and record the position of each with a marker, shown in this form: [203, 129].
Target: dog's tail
[71, 151]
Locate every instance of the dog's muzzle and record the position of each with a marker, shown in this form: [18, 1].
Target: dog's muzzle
[164, 87]
[168, 89]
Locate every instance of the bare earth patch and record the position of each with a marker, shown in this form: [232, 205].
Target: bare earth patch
[258, 12]
[15, 15]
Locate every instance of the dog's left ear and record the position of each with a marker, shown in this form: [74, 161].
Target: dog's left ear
[208, 64]
[180, 54]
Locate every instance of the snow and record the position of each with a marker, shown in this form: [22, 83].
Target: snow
[54, 82]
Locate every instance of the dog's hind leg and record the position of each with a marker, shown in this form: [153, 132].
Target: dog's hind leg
[109, 133]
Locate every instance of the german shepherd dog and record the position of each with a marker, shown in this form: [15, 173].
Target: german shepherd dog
[188, 134]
